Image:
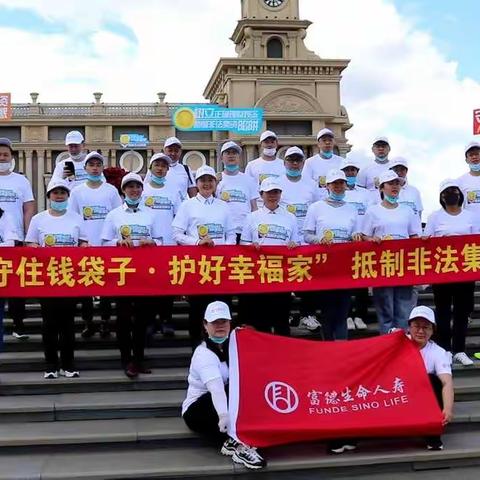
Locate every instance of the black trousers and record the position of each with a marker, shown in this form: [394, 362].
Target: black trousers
[133, 316]
[164, 309]
[460, 296]
[334, 305]
[88, 310]
[201, 417]
[359, 305]
[16, 310]
[58, 332]
[308, 303]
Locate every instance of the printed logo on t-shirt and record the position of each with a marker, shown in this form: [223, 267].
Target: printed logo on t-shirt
[59, 240]
[81, 175]
[298, 209]
[134, 232]
[376, 182]
[412, 205]
[95, 212]
[473, 196]
[213, 230]
[361, 209]
[275, 232]
[263, 176]
[322, 181]
[8, 196]
[158, 203]
[233, 196]
[336, 234]
[390, 236]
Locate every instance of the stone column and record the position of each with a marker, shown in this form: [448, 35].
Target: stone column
[29, 165]
[40, 180]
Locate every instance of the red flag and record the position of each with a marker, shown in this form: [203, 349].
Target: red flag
[285, 390]
[476, 121]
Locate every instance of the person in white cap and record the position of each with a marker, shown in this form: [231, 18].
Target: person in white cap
[236, 189]
[16, 200]
[58, 227]
[92, 200]
[178, 172]
[452, 219]
[204, 221]
[390, 221]
[132, 225]
[369, 176]
[330, 221]
[162, 197]
[268, 164]
[269, 225]
[361, 199]
[205, 408]
[319, 165]
[470, 181]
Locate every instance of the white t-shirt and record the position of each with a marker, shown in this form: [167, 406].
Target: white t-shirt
[163, 203]
[50, 231]
[267, 227]
[442, 224]
[198, 217]
[237, 191]
[93, 204]
[178, 173]
[470, 186]
[391, 223]
[15, 190]
[360, 198]
[8, 232]
[204, 367]
[317, 167]
[337, 224]
[138, 224]
[260, 169]
[368, 176]
[297, 197]
[436, 359]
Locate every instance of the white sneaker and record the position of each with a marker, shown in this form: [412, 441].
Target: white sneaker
[50, 375]
[359, 323]
[309, 323]
[350, 323]
[69, 374]
[462, 358]
[249, 457]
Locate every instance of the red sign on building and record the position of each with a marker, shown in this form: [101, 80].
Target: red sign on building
[476, 121]
[5, 106]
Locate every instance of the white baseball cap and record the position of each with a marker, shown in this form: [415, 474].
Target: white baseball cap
[334, 175]
[423, 312]
[447, 183]
[217, 311]
[388, 176]
[270, 184]
[172, 141]
[96, 155]
[59, 183]
[205, 170]
[381, 140]
[160, 156]
[231, 145]
[398, 162]
[74, 138]
[325, 131]
[471, 145]
[294, 151]
[348, 162]
[267, 134]
[131, 177]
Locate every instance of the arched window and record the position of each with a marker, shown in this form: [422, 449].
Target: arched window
[274, 48]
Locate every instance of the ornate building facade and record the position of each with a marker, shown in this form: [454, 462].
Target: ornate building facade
[273, 69]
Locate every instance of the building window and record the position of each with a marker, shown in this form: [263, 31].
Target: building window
[274, 48]
[194, 160]
[58, 134]
[193, 136]
[289, 128]
[12, 133]
[131, 161]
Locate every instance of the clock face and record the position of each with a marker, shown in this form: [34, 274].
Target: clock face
[274, 3]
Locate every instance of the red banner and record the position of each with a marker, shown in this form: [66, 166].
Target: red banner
[5, 106]
[284, 390]
[110, 271]
[476, 121]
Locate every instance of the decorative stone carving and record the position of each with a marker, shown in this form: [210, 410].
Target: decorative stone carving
[288, 104]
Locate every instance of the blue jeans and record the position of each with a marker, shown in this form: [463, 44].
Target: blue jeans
[393, 306]
[335, 305]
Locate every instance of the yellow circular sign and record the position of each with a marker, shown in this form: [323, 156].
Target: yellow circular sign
[328, 235]
[471, 196]
[263, 229]
[292, 208]
[125, 230]
[184, 118]
[202, 230]
[387, 237]
[322, 181]
[87, 212]
[225, 196]
[49, 240]
[124, 139]
[149, 201]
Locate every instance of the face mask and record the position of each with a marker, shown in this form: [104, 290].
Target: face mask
[326, 155]
[382, 159]
[336, 197]
[293, 173]
[132, 202]
[78, 156]
[218, 340]
[269, 152]
[158, 180]
[474, 167]
[232, 168]
[5, 166]
[451, 198]
[173, 164]
[391, 200]
[351, 181]
[94, 178]
[58, 206]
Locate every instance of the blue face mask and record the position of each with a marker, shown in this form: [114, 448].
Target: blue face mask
[382, 159]
[59, 206]
[351, 181]
[474, 167]
[392, 200]
[158, 180]
[326, 155]
[94, 178]
[232, 168]
[218, 340]
[132, 202]
[336, 197]
[293, 173]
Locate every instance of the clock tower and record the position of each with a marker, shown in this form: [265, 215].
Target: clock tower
[274, 70]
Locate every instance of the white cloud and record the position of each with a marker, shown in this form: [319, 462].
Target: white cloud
[398, 83]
